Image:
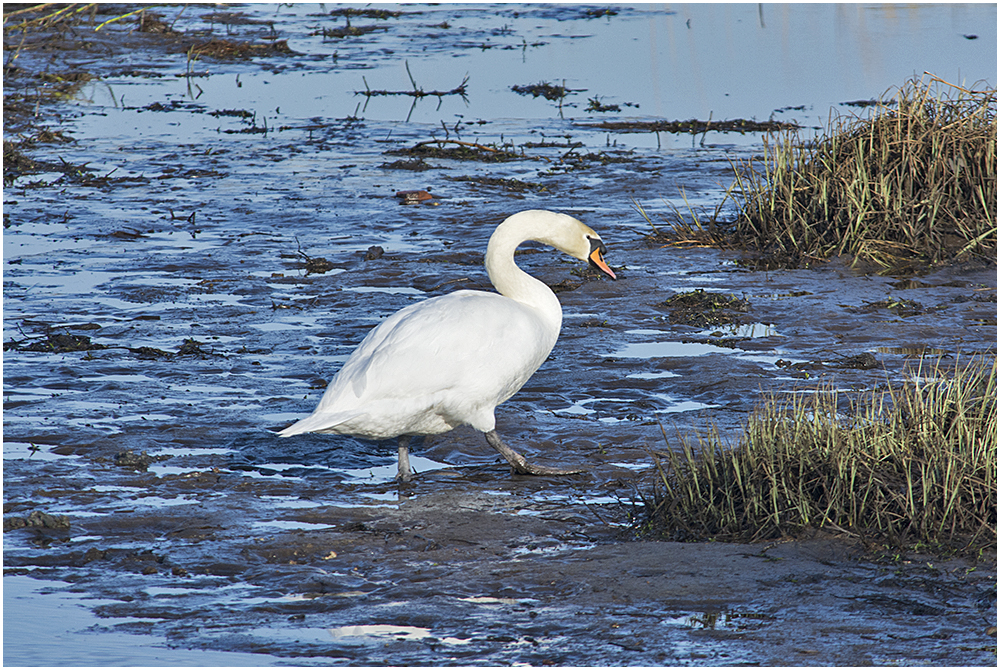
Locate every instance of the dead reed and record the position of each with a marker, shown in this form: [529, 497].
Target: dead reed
[914, 181]
[913, 466]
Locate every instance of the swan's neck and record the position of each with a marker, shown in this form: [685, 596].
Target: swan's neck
[513, 282]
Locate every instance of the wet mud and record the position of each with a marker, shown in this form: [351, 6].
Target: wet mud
[173, 293]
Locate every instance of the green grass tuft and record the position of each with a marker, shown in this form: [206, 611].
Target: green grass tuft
[913, 466]
[914, 182]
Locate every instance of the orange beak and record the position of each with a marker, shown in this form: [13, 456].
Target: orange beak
[597, 260]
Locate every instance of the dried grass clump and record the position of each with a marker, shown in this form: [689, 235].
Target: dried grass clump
[914, 466]
[916, 181]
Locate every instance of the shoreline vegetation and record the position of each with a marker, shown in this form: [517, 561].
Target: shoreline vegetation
[911, 466]
[913, 183]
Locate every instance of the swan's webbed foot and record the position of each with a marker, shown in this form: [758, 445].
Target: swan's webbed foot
[405, 473]
[519, 464]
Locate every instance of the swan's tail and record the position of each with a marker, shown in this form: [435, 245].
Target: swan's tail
[318, 422]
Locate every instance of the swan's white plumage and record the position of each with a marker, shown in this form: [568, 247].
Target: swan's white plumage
[451, 360]
[433, 366]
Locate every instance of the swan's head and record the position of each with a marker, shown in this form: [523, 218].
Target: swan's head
[557, 230]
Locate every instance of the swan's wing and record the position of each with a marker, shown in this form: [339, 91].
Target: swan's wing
[455, 356]
[464, 340]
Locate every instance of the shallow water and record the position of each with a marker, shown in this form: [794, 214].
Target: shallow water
[240, 549]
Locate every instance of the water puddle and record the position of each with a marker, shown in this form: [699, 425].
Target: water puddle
[374, 475]
[37, 452]
[386, 474]
[666, 405]
[653, 375]
[278, 525]
[742, 331]
[668, 350]
[366, 634]
[75, 636]
[386, 289]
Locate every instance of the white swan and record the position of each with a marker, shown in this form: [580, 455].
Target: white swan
[451, 360]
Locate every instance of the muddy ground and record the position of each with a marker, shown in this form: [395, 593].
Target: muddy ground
[166, 307]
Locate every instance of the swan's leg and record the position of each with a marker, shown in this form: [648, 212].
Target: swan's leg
[518, 462]
[405, 473]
